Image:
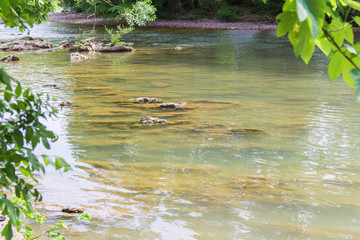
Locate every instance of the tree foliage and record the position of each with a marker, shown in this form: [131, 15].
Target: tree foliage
[134, 12]
[24, 13]
[21, 127]
[329, 25]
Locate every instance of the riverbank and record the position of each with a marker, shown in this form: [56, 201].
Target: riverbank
[89, 19]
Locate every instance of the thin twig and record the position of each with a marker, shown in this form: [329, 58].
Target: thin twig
[332, 41]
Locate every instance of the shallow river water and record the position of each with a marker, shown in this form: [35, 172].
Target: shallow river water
[266, 147]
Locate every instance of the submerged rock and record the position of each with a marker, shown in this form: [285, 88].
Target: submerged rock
[152, 120]
[107, 48]
[72, 210]
[241, 131]
[50, 86]
[65, 104]
[10, 58]
[77, 57]
[145, 100]
[171, 105]
[25, 44]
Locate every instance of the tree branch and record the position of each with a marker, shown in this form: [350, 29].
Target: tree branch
[332, 41]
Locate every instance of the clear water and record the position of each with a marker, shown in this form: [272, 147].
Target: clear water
[266, 147]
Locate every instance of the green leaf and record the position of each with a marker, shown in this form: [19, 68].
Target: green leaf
[47, 160]
[35, 139]
[45, 142]
[25, 171]
[18, 138]
[334, 68]
[8, 93]
[62, 162]
[28, 134]
[324, 45]
[26, 93]
[354, 4]
[4, 77]
[7, 231]
[5, 7]
[313, 10]
[48, 134]
[18, 90]
[357, 20]
[287, 21]
[355, 74]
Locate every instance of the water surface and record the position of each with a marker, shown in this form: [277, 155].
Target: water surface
[266, 147]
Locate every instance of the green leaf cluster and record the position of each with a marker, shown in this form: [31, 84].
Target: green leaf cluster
[328, 25]
[116, 35]
[24, 13]
[21, 131]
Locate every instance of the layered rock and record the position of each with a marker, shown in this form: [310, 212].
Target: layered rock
[25, 44]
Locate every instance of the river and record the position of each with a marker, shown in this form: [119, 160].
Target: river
[266, 147]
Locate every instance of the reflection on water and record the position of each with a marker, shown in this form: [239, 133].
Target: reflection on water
[266, 147]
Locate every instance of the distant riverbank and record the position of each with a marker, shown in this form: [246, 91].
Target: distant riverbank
[76, 18]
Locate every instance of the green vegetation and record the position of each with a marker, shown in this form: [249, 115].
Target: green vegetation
[22, 130]
[227, 10]
[119, 32]
[329, 25]
[135, 12]
[228, 13]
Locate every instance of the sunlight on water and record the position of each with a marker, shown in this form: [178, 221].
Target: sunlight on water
[265, 148]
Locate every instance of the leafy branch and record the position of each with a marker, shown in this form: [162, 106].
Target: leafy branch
[324, 23]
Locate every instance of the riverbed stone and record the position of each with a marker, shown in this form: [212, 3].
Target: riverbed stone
[10, 58]
[107, 48]
[145, 100]
[152, 120]
[25, 44]
[51, 85]
[72, 210]
[77, 57]
[65, 104]
[172, 106]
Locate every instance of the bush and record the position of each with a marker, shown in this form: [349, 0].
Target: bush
[228, 14]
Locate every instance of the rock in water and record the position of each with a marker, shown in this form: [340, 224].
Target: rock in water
[10, 58]
[67, 44]
[77, 57]
[50, 86]
[25, 44]
[72, 210]
[145, 100]
[65, 104]
[172, 106]
[152, 120]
